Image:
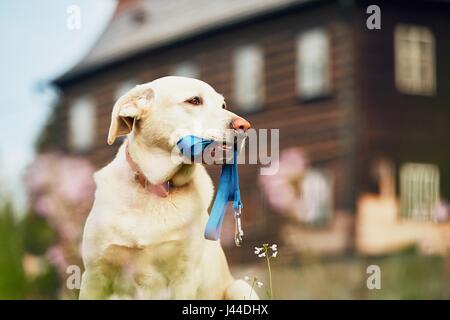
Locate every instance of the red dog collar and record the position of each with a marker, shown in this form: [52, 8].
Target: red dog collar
[161, 190]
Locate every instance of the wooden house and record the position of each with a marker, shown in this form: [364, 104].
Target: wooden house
[345, 94]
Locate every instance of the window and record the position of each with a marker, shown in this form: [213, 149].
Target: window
[186, 69]
[414, 60]
[248, 83]
[316, 205]
[82, 124]
[419, 191]
[123, 88]
[313, 65]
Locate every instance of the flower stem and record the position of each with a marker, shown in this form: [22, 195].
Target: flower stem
[270, 278]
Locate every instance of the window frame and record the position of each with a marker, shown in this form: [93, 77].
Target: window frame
[416, 36]
[77, 144]
[260, 85]
[327, 80]
[407, 201]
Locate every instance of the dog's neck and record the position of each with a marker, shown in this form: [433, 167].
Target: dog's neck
[159, 165]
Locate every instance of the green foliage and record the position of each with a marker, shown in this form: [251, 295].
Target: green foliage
[38, 235]
[45, 286]
[12, 278]
[30, 235]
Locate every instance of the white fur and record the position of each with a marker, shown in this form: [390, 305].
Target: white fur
[138, 245]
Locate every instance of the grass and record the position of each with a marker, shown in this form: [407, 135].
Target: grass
[407, 275]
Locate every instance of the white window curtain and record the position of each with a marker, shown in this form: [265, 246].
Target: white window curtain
[82, 116]
[249, 77]
[419, 191]
[415, 60]
[313, 64]
[316, 205]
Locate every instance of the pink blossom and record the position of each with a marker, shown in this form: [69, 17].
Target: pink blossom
[61, 189]
[43, 205]
[56, 256]
[441, 211]
[280, 187]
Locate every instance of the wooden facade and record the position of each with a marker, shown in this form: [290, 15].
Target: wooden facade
[402, 127]
[362, 118]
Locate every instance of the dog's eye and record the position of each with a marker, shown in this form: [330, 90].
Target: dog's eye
[196, 101]
[224, 106]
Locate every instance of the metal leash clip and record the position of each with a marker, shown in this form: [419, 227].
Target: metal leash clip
[238, 232]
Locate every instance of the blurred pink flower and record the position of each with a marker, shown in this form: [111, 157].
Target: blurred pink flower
[61, 189]
[292, 162]
[441, 211]
[76, 185]
[43, 205]
[280, 188]
[60, 185]
[55, 255]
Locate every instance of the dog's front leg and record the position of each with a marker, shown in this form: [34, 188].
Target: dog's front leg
[185, 291]
[94, 285]
[187, 286]
[240, 290]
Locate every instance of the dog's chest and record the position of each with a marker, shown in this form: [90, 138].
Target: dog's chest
[145, 219]
[154, 240]
[153, 271]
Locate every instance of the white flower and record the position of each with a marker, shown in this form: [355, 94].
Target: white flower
[274, 247]
[262, 255]
[274, 254]
[247, 278]
[259, 284]
[258, 250]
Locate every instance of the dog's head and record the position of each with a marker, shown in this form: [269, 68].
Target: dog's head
[162, 111]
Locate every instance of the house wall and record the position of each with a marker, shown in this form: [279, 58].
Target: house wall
[401, 127]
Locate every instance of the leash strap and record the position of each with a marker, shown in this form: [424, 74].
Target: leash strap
[228, 190]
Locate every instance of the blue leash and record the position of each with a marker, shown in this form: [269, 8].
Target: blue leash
[192, 147]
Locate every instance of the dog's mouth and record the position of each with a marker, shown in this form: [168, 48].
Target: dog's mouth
[227, 145]
[224, 149]
[220, 149]
[217, 148]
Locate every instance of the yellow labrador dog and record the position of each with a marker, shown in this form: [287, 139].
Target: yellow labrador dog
[144, 238]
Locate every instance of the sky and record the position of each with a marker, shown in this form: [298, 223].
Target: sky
[37, 45]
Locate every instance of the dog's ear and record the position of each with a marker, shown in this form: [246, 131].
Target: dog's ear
[129, 109]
